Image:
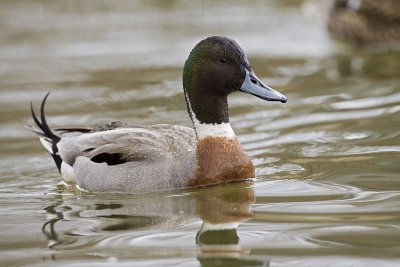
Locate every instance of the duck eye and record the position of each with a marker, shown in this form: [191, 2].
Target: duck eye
[222, 60]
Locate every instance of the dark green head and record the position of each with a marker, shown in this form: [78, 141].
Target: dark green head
[216, 67]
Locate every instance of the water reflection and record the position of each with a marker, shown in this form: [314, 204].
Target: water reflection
[217, 239]
[48, 229]
[221, 210]
[378, 65]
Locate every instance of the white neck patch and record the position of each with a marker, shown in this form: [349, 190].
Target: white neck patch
[209, 129]
[219, 130]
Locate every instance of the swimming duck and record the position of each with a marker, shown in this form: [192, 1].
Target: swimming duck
[365, 22]
[126, 158]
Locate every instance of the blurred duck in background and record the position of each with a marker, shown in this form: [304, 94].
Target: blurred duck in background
[365, 22]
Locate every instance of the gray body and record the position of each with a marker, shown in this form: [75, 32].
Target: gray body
[158, 157]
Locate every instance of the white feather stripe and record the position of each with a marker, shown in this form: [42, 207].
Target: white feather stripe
[67, 173]
[209, 129]
[47, 144]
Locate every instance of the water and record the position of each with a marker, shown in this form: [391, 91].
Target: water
[327, 190]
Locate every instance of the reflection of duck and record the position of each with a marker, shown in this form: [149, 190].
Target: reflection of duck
[218, 241]
[365, 21]
[119, 157]
[123, 223]
[48, 228]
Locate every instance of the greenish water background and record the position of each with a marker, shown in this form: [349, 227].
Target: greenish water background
[327, 190]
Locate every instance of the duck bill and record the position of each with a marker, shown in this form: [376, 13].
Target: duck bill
[253, 85]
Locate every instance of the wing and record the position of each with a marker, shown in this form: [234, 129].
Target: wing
[134, 159]
[129, 143]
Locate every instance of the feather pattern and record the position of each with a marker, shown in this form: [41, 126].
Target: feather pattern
[160, 153]
[118, 157]
[155, 158]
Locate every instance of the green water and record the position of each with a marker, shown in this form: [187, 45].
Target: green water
[327, 191]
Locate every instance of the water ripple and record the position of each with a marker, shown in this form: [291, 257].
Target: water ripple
[370, 102]
[325, 117]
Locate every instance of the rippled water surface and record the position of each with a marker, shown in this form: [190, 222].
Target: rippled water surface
[327, 191]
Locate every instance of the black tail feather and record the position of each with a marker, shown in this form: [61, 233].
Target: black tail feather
[47, 132]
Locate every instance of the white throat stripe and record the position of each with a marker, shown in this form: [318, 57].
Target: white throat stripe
[220, 130]
[209, 129]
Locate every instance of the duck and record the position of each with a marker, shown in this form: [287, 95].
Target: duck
[119, 157]
[365, 22]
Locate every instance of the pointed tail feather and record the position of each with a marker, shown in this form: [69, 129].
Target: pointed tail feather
[46, 135]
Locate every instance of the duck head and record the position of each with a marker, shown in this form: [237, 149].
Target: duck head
[216, 67]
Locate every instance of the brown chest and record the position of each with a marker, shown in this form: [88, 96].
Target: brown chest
[219, 160]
